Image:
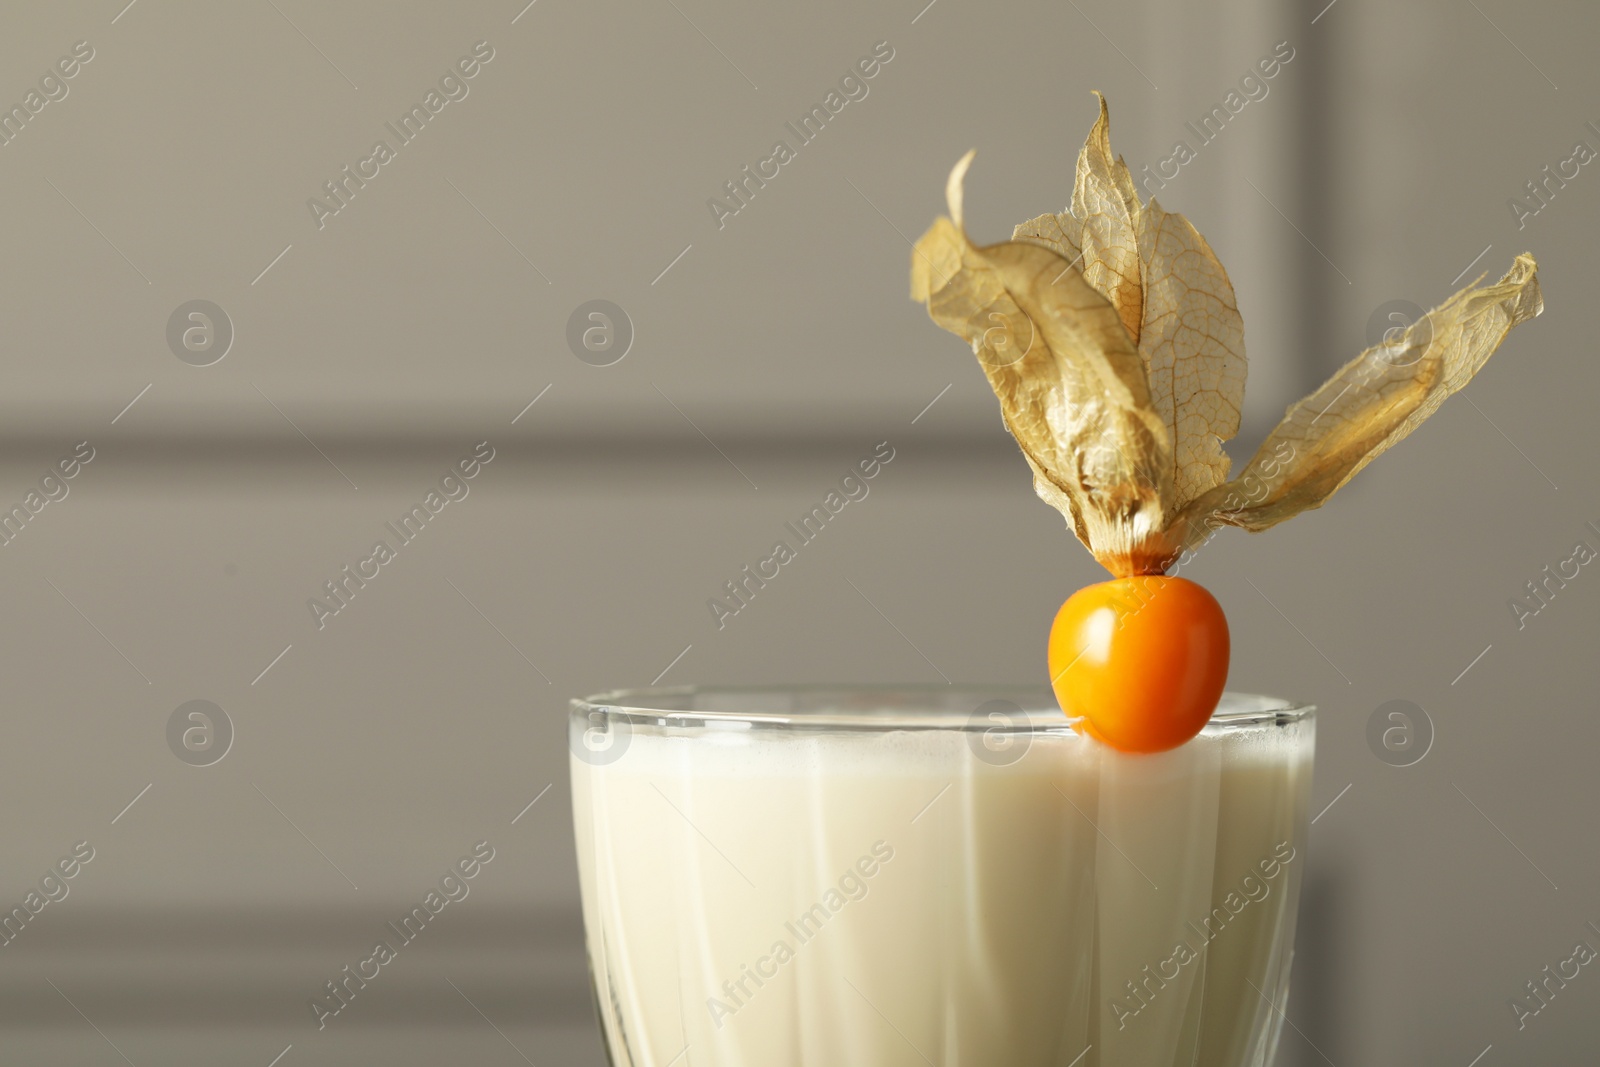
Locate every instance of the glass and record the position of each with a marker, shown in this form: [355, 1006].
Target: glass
[945, 876]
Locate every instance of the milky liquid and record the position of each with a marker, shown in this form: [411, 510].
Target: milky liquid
[763, 898]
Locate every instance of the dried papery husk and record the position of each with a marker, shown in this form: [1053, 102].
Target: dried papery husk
[1112, 338]
[1368, 406]
[1071, 384]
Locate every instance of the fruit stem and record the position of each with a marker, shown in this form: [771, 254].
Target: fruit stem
[1136, 564]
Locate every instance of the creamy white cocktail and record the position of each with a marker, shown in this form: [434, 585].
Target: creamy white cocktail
[947, 877]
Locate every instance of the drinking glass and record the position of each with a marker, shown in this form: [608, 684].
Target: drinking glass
[933, 877]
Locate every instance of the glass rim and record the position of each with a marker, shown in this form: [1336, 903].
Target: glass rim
[664, 706]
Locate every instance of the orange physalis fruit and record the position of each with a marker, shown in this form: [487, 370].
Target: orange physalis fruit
[1142, 660]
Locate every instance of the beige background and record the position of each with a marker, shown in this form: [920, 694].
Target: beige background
[428, 313]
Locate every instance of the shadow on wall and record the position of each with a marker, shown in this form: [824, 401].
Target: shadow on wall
[1316, 985]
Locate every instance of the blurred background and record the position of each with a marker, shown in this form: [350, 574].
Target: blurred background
[355, 341]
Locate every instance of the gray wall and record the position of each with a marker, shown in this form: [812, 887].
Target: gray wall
[424, 317]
